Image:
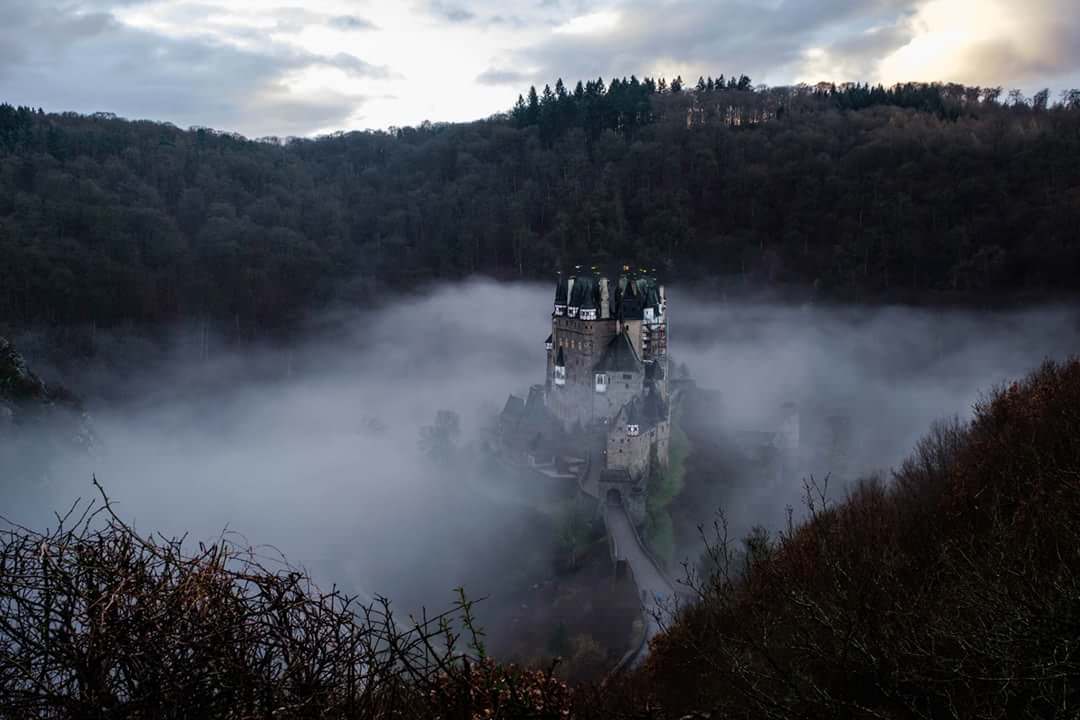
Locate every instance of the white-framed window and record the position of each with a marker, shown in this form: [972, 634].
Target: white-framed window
[602, 381]
[560, 310]
[571, 312]
[588, 314]
[633, 430]
[560, 375]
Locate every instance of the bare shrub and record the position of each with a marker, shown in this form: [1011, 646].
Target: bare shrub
[97, 621]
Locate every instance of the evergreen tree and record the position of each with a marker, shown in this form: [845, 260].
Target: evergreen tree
[520, 113]
[532, 112]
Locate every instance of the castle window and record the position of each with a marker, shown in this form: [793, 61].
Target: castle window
[601, 382]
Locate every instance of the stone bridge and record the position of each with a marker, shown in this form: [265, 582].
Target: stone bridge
[655, 589]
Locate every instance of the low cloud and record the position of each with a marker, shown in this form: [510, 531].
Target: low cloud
[313, 448]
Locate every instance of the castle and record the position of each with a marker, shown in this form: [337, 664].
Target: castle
[605, 398]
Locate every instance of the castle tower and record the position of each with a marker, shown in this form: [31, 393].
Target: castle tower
[607, 366]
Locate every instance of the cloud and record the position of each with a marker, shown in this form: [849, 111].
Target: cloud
[451, 12]
[352, 22]
[987, 42]
[90, 61]
[498, 76]
[765, 41]
[227, 63]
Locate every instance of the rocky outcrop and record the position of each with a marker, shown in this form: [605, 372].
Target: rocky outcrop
[36, 419]
[17, 383]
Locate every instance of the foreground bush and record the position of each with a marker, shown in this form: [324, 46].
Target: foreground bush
[97, 621]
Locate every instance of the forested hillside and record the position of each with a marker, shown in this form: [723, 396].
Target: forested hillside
[854, 192]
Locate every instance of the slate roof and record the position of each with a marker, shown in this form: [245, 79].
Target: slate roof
[534, 406]
[619, 356]
[644, 411]
[514, 407]
[560, 290]
[586, 293]
[633, 295]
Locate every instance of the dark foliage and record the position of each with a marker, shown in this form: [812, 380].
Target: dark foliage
[859, 192]
[953, 592]
[97, 621]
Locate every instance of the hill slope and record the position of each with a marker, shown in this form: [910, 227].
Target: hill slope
[952, 591]
[927, 192]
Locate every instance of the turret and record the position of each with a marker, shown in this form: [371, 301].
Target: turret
[571, 308]
[588, 298]
[562, 292]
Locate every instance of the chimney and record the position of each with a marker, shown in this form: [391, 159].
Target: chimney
[605, 307]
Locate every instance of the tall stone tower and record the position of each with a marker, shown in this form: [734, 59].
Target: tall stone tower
[607, 367]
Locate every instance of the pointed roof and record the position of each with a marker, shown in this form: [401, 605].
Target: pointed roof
[645, 411]
[619, 356]
[560, 290]
[585, 293]
[534, 406]
[514, 407]
[560, 359]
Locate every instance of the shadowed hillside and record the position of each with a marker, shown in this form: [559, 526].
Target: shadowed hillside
[917, 193]
[952, 590]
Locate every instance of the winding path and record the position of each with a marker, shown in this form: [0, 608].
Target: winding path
[655, 590]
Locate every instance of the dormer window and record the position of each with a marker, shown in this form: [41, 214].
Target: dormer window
[633, 430]
[548, 344]
[648, 314]
[560, 310]
[571, 312]
[601, 382]
[588, 314]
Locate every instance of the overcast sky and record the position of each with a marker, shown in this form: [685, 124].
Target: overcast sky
[265, 67]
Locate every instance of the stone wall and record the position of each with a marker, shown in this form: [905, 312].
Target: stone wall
[622, 387]
[583, 343]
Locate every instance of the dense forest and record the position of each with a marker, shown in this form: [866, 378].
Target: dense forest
[854, 192]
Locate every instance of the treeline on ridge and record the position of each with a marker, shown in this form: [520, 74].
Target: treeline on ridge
[856, 192]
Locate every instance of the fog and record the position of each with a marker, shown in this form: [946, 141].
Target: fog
[890, 371]
[313, 448]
